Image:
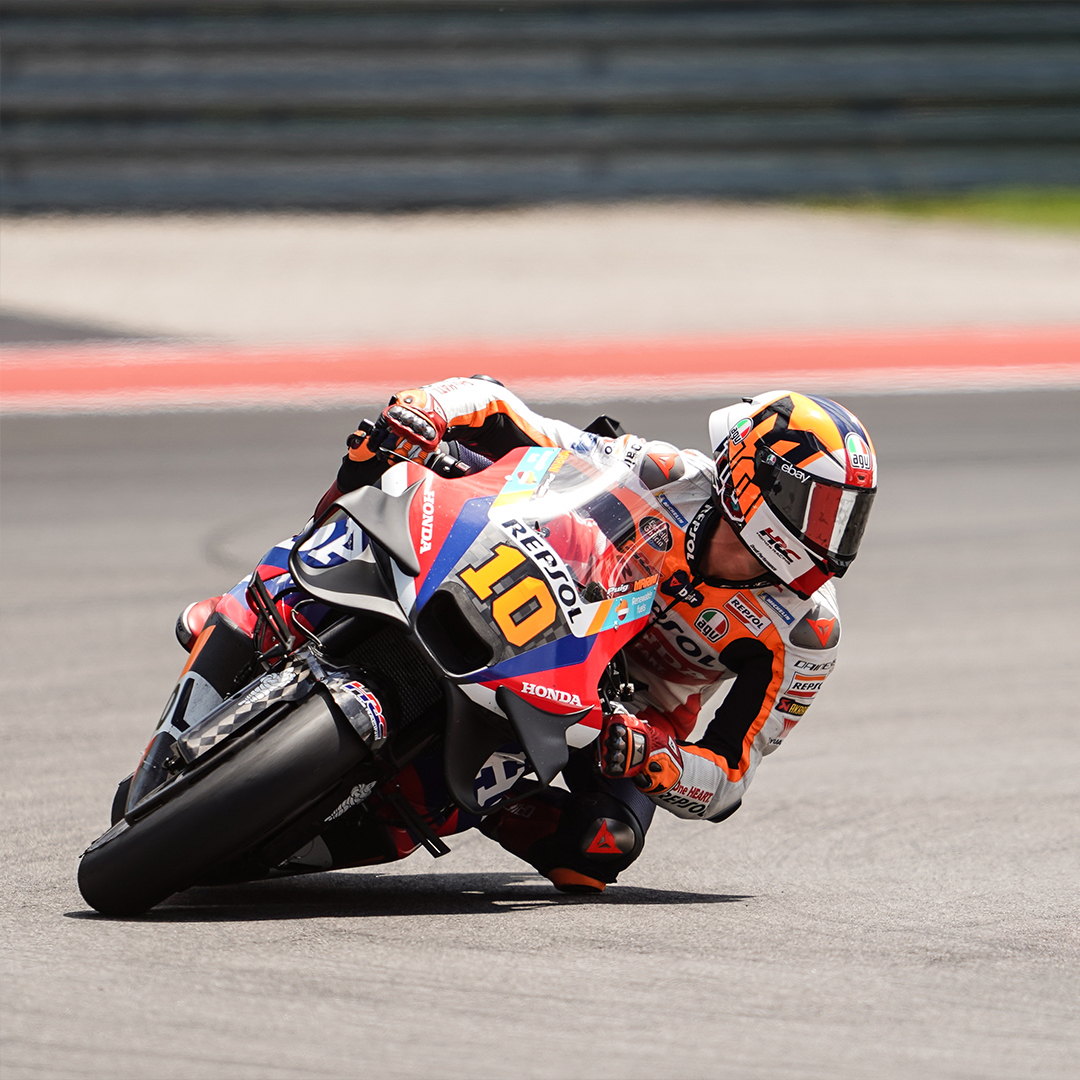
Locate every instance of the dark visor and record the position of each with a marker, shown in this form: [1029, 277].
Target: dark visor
[829, 518]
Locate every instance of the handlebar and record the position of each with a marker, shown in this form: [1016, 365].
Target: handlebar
[446, 465]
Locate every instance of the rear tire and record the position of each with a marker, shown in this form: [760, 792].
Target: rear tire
[223, 815]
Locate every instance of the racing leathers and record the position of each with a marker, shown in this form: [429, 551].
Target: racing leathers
[769, 648]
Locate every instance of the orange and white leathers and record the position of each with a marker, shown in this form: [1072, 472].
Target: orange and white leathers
[770, 649]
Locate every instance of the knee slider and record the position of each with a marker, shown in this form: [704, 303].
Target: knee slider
[594, 834]
[599, 836]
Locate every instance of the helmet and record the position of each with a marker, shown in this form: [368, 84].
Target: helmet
[796, 476]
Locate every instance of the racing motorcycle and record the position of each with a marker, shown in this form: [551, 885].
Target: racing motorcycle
[476, 621]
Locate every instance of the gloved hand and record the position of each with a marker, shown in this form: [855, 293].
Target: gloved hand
[411, 427]
[413, 419]
[631, 747]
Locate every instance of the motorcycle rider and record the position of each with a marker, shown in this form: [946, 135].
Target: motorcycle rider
[751, 539]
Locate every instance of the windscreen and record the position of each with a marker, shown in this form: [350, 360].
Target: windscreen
[603, 524]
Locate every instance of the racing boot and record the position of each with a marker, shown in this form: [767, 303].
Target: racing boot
[192, 620]
[570, 881]
[580, 841]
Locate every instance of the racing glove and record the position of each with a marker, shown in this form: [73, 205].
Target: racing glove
[413, 419]
[630, 747]
[411, 426]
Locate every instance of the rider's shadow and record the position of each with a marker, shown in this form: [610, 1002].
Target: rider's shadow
[372, 895]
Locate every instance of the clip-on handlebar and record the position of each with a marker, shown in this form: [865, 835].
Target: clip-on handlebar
[442, 464]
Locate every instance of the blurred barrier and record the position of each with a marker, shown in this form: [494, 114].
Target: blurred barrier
[149, 104]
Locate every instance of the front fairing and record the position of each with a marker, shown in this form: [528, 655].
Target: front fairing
[530, 575]
[537, 578]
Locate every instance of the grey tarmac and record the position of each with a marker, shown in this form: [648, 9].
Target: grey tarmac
[896, 898]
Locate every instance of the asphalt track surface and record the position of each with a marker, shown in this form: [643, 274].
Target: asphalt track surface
[897, 897]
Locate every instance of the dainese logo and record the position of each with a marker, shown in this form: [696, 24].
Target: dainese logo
[680, 587]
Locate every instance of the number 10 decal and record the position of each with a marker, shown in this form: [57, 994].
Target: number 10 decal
[529, 592]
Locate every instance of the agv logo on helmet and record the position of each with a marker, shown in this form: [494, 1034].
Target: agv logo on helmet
[860, 462]
[738, 432]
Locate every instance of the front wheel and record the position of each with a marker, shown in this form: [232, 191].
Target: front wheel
[227, 812]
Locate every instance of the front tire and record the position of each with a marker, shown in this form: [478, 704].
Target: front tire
[234, 807]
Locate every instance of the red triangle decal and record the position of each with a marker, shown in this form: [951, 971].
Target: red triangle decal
[604, 842]
[664, 462]
[823, 628]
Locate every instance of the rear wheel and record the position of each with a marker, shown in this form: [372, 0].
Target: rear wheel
[228, 811]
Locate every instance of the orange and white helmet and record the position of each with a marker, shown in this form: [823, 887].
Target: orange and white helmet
[796, 477]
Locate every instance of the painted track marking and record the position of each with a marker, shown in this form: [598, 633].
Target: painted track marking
[142, 377]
